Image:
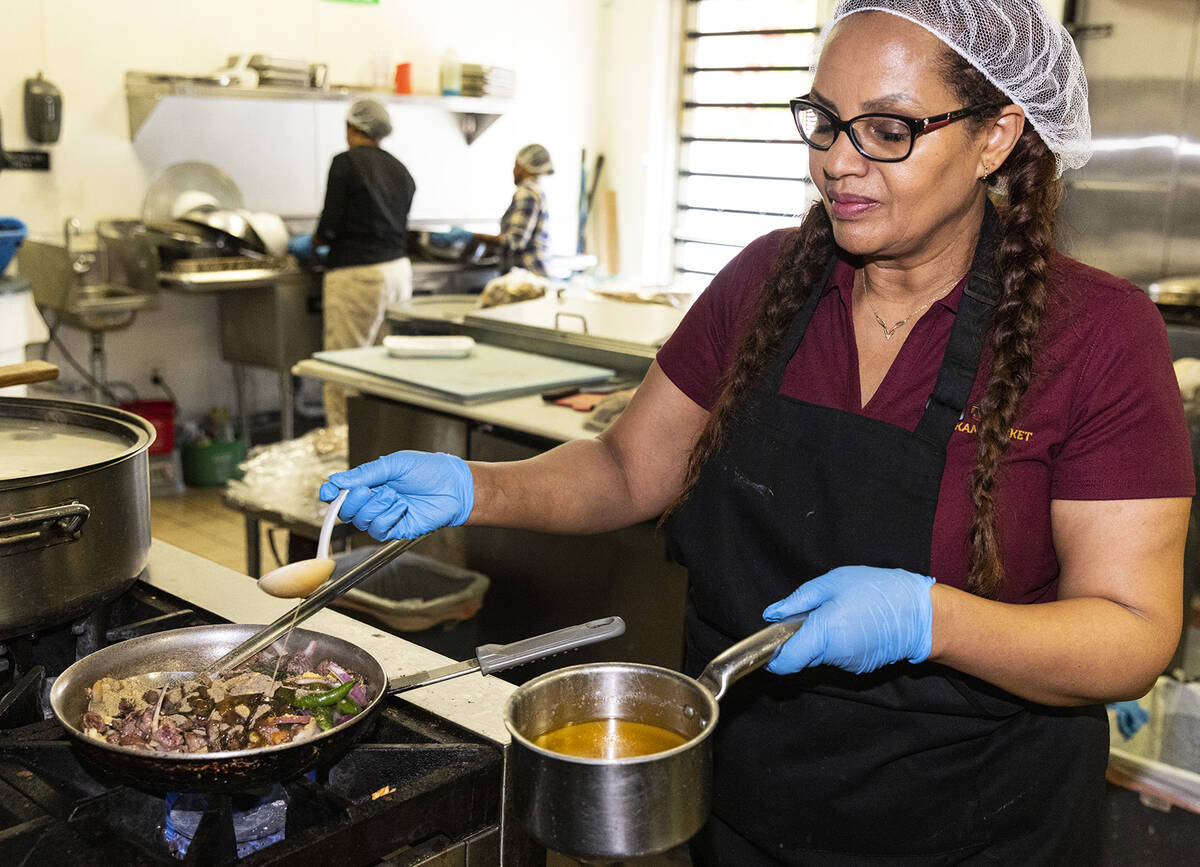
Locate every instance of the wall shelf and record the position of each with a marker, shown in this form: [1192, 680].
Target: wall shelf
[145, 90]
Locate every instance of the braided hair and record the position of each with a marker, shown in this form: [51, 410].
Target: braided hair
[1028, 192]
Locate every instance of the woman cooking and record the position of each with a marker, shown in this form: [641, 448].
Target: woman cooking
[962, 452]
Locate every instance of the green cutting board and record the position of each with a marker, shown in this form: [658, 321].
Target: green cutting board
[488, 373]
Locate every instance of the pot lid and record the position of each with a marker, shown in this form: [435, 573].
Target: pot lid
[182, 186]
[44, 438]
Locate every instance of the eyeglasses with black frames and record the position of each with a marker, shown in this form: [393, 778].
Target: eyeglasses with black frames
[885, 138]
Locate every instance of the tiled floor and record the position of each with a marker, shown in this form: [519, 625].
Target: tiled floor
[197, 521]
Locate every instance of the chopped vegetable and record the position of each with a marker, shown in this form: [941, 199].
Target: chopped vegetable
[340, 673]
[324, 699]
[348, 706]
[324, 717]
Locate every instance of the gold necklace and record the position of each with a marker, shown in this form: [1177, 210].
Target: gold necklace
[890, 330]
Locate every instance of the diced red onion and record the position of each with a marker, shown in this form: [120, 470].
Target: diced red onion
[358, 695]
[339, 672]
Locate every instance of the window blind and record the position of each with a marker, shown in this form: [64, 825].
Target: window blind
[742, 166]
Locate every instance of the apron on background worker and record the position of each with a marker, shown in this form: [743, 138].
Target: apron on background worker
[365, 224]
[827, 747]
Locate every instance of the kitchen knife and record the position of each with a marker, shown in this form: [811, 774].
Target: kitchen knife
[490, 658]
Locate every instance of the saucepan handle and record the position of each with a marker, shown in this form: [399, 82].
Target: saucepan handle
[747, 655]
[42, 528]
[497, 657]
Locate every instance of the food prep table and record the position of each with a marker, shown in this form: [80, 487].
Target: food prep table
[537, 579]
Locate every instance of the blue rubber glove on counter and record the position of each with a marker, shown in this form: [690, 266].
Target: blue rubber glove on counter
[861, 618]
[1131, 716]
[405, 494]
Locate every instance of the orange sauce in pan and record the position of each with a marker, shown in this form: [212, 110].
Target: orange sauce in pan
[609, 739]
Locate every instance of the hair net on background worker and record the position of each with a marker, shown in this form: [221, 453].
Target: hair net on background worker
[1020, 48]
[370, 118]
[535, 159]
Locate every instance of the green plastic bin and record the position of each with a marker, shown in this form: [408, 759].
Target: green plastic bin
[212, 464]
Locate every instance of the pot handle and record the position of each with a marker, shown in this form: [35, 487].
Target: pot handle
[747, 655]
[496, 657]
[42, 528]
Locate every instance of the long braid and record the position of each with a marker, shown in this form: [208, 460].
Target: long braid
[1022, 258]
[802, 258]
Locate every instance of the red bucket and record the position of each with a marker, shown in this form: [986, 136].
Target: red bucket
[161, 414]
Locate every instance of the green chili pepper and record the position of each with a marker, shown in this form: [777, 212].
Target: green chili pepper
[324, 699]
[348, 706]
[324, 717]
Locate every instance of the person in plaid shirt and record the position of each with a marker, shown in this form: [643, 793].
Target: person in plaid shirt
[524, 241]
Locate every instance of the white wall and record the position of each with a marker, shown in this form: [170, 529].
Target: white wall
[638, 110]
[563, 52]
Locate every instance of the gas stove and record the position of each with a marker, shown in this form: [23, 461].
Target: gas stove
[416, 789]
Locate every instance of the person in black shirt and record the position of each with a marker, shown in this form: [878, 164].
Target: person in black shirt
[365, 225]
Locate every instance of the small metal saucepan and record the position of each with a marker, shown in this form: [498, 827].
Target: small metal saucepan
[189, 650]
[611, 809]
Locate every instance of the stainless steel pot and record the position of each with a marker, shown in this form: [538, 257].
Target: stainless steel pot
[610, 809]
[74, 509]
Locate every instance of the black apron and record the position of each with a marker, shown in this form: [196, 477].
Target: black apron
[911, 764]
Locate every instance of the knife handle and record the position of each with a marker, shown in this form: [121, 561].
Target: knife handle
[497, 657]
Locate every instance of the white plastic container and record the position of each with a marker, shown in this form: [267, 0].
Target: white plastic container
[20, 325]
[1162, 760]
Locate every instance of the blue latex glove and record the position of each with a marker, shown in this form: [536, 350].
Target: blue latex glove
[1131, 716]
[300, 245]
[456, 235]
[861, 618]
[405, 494]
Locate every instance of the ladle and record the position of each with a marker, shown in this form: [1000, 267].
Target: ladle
[297, 580]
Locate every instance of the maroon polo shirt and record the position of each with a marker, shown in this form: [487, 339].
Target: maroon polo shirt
[1102, 419]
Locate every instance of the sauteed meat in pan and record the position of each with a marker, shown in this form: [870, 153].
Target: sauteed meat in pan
[267, 701]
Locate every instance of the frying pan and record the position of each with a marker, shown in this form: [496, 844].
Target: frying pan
[190, 650]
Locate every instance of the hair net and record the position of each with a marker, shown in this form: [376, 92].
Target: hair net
[535, 159]
[1020, 48]
[370, 118]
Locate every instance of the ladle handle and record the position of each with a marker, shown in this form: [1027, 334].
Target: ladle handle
[749, 654]
[311, 604]
[327, 524]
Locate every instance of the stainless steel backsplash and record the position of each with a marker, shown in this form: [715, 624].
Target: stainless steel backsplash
[1134, 210]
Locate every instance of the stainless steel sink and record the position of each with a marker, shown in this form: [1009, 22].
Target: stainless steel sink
[92, 284]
